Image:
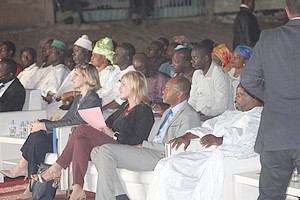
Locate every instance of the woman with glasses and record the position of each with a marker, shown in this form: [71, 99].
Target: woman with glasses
[39, 141]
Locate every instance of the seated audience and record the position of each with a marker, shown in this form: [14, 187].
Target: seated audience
[29, 75]
[82, 51]
[181, 62]
[102, 57]
[55, 74]
[221, 56]
[167, 66]
[8, 50]
[176, 121]
[155, 54]
[39, 141]
[156, 80]
[211, 92]
[130, 124]
[201, 172]
[12, 92]
[241, 55]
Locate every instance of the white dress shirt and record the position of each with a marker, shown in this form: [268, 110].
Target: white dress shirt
[29, 76]
[5, 87]
[211, 94]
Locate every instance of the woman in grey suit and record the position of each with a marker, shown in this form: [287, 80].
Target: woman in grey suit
[39, 142]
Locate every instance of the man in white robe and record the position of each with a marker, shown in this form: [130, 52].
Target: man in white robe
[199, 175]
[56, 72]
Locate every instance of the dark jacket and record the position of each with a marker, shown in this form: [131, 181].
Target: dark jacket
[72, 117]
[133, 128]
[273, 75]
[246, 30]
[13, 98]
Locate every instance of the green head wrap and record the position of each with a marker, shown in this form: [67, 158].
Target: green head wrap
[105, 47]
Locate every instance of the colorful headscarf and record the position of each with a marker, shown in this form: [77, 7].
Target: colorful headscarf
[105, 47]
[244, 50]
[223, 53]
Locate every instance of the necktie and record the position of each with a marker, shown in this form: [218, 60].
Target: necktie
[165, 120]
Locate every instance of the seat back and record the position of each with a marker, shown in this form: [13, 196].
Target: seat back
[33, 100]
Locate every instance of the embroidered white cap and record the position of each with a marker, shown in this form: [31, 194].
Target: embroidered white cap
[84, 42]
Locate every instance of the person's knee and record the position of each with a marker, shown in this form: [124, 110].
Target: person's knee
[99, 153]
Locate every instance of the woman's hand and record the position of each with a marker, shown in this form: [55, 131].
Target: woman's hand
[37, 126]
[107, 131]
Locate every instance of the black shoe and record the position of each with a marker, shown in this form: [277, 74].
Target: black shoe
[122, 197]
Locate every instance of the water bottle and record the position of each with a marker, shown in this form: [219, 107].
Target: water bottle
[295, 177]
[21, 130]
[24, 129]
[12, 128]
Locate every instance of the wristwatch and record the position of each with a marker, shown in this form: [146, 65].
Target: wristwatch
[115, 136]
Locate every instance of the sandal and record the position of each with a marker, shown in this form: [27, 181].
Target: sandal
[52, 176]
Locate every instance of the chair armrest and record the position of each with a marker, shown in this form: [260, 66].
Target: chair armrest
[62, 137]
[194, 146]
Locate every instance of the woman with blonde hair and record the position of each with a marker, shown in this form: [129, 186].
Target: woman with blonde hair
[39, 142]
[130, 124]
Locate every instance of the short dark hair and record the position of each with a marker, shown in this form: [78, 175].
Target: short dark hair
[9, 65]
[186, 54]
[130, 50]
[204, 48]
[10, 47]
[294, 6]
[184, 85]
[31, 51]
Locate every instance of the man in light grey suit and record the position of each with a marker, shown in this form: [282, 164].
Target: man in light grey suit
[176, 120]
[273, 75]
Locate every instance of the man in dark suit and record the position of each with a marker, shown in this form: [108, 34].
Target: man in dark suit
[273, 74]
[12, 92]
[176, 120]
[245, 27]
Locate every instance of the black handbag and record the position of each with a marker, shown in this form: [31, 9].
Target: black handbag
[45, 190]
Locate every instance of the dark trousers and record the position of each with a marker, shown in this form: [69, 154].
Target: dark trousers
[37, 145]
[276, 170]
[78, 150]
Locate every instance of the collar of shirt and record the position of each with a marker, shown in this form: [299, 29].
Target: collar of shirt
[176, 108]
[31, 67]
[244, 6]
[6, 85]
[295, 18]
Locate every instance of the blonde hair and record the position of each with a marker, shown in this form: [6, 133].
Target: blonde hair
[91, 73]
[138, 86]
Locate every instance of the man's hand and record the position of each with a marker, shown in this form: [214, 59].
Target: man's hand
[48, 98]
[185, 140]
[68, 97]
[209, 140]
